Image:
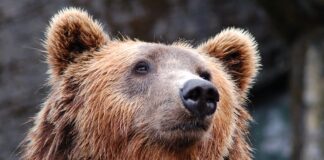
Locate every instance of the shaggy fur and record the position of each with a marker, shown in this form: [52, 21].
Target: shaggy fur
[98, 110]
[70, 33]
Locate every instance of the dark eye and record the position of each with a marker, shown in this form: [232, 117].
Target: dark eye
[205, 75]
[142, 67]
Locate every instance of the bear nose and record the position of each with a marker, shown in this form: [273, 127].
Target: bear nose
[199, 97]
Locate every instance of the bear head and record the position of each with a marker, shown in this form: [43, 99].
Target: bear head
[129, 99]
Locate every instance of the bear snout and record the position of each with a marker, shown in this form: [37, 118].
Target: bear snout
[199, 97]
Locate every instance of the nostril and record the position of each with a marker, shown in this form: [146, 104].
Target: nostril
[212, 95]
[194, 94]
[210, 91]
[210, 107]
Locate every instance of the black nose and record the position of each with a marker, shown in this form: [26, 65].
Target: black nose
[199, 97]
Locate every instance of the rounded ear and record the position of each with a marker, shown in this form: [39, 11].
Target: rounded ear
[237, 50]
[70, 34]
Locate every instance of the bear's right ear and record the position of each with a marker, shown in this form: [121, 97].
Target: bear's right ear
[71, 33]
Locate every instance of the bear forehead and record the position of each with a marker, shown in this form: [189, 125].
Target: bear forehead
[178, 55]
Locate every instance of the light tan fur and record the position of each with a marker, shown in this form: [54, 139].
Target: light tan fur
[87, 115]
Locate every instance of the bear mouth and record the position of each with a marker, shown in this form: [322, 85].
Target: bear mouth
[191, 126]
[183, 135]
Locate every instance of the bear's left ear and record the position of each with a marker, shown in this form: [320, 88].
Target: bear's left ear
[237, 50]
[71, 33]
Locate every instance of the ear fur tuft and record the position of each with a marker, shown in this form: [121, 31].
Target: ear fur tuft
[237, 50]
[71, 32]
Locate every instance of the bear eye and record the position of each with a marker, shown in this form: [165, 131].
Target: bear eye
[142, 67]
[205, 75]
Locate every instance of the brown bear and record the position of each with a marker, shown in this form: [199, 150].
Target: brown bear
[128, 99]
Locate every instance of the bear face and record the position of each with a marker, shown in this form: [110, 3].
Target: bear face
[128, 99]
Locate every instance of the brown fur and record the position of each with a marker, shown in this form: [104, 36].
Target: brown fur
[97, 110]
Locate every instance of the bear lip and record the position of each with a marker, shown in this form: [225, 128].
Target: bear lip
[190, 126]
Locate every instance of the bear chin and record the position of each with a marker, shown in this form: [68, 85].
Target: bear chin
[180, 140]
[184, 135]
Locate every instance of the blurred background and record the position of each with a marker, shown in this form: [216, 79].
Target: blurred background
[286, 103]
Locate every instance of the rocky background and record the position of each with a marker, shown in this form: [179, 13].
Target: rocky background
[286, 102]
